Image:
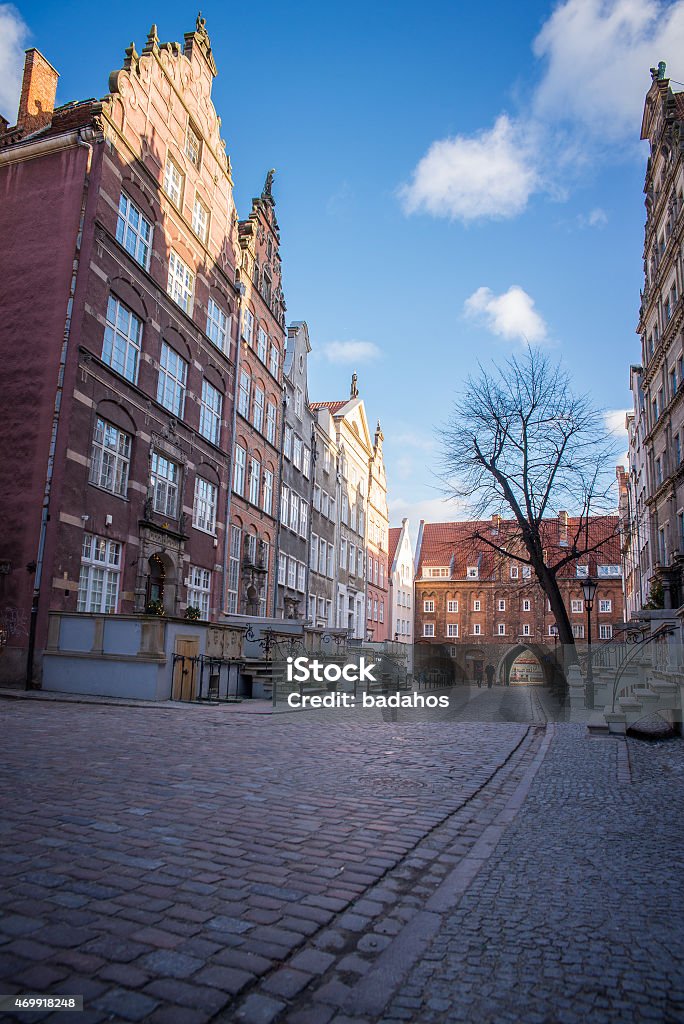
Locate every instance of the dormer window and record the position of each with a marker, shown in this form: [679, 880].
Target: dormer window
[472, 572]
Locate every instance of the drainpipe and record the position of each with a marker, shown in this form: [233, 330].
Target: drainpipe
[45, 511]
[278, 504]
[233, 427]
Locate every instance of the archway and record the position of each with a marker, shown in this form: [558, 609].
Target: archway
[526, 670]
[533, 666]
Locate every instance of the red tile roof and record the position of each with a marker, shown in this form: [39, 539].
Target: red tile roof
[333, 406]
[394, 534]
[455, 545]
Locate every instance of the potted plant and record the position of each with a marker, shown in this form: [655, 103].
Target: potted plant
[155, 607]
[192, 612]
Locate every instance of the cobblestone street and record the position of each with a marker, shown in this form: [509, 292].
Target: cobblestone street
[197, 865]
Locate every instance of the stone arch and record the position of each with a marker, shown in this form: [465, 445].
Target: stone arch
[162, 580]
[510, 655]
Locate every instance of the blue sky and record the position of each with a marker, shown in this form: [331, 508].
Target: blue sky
[449, 181]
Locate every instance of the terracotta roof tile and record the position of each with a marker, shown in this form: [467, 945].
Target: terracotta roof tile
[332, 406]
[394, 534]
[454, 545]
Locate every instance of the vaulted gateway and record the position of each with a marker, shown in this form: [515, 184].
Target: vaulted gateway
[522, 666]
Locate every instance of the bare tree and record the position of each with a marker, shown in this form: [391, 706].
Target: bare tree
[521, 444]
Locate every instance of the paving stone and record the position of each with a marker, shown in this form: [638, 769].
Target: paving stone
[227, 979]
[126, 1005]
[170, 964]
[258, 1009]
[286, 982]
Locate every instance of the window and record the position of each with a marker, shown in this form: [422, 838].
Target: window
[312, 606]
[526, 572]
[244, 393]
[199, 589]
[477, 606]
[581, 571]
[325, 504]
[292, 573]
[526, 605]
[181, 283]
[262, 344]
[605, 632]
[134, 231]
[274, 364]
[204, 506]
[553, 630]
[313, 553]
[352, 517]
[98, 584]
[514, 572]
[287, 443]
[193, 145]
[317, 497]
[217, 326]
[268, 491]
[343, 554]
[428, 629]
[122, 338]
[110, 458]
[332, 509]
[576, 606]
[381, 611]
[164, 483]
[248, 326]
[472, 572]
[258, 408]
[610, 571]
[578, 631]
[284, 505]
[502, 605]
[502, 629]
[605, 605]
[322, 561]
[294, 512]
[282, 569]
[306, 463]
[352, 559]
[345, 509]
[659, 471]
[234, 568]
[239, 469]
[271, 422]
[254, 480]
[331, 561]
[326, 460]
[452, 606]
[297, 452]
[299, 402]
[477, 629]
[301, 577]
[303, 517]
[200, 219]
[211, 405]
[173, 375]
[452, 629]
[526, 629]
[173, 182]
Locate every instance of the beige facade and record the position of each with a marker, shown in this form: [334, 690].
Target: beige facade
[661, 322]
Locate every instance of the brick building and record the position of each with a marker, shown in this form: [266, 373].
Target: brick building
[122, 332]
[484, 609]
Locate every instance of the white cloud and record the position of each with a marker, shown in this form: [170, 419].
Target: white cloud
[13, 33]
[598, 54]
[615, 422]
[509, 315]
[350, 351]
[597, 218]
[491, 174]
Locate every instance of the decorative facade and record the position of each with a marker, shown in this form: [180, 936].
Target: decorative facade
[324, 538]
[149, 281]
[661, 323]
[400, 579]
[296, 485]
[378, 617]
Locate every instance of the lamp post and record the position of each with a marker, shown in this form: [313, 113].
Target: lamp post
[589, 586]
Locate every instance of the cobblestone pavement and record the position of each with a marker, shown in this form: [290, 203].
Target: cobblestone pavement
[199, 867]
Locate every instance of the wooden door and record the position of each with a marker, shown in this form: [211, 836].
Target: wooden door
[185, 669]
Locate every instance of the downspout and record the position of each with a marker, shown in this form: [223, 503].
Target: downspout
[279, 504]
[233, 427]
[45, 511]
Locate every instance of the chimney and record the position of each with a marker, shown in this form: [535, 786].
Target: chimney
[38, 91]
[563, 522]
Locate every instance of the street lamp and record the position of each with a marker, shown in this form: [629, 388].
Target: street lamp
[589, 586]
